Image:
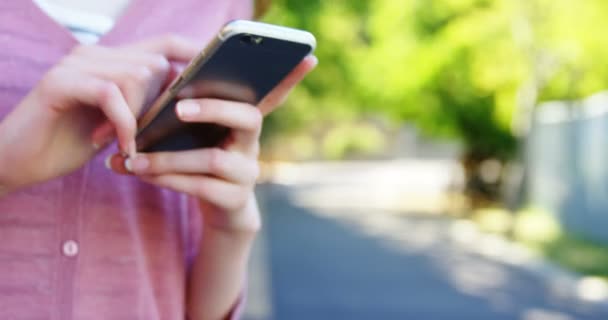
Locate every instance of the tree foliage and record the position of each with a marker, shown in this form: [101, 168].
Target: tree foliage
[455, 68]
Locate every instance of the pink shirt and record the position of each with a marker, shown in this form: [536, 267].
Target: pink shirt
[95, 245]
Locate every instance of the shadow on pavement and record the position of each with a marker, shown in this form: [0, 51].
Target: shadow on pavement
[327, 268]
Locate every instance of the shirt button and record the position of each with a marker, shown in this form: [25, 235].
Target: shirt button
[70, 248]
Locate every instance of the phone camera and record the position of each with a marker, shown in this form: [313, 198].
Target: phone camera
[251, 40]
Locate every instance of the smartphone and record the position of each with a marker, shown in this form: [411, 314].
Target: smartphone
[243, 63]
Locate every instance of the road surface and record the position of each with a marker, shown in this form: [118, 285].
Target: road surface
[324, 259]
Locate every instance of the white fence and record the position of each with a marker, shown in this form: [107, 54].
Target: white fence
[567, 154]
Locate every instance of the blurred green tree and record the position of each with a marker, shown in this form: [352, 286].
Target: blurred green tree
[470, 70]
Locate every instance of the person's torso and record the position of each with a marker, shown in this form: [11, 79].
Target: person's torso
[95, 245]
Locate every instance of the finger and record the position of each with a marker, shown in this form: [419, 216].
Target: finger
[103, 135]
[244, 119]
[235, 115]
[138, 75]
[105, 95]
[134, 81]
[278, 95]
[116, 163]
[105, 55]
[140, 81]
[114, 106]
[226, 165]
[224, 195]
[173, 47]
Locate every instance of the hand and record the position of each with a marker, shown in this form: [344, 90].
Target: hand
[91, 95]
[221, 178]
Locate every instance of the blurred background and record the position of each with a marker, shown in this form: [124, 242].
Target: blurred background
[446, 160]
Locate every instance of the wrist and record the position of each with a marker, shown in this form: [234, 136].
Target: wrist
[243, 223]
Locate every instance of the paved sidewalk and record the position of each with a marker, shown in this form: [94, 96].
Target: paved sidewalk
[320, 260]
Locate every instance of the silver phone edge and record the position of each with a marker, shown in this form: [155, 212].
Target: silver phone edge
[237, 27]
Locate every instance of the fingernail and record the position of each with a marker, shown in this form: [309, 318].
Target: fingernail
[107, 162]
[128, 165]
[137, 164]
[186, 108]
